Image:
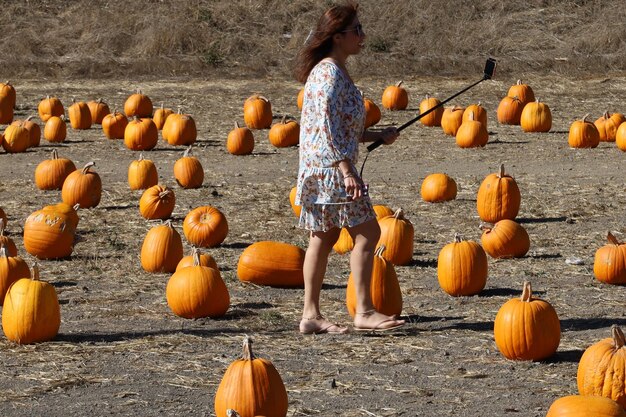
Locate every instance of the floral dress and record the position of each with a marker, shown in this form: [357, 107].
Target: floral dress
[333, 117]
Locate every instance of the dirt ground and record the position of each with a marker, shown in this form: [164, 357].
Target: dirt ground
[121, 351]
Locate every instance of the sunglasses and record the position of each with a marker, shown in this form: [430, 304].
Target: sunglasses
[358, 29]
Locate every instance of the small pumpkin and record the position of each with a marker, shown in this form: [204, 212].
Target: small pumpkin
[98, 109]
[34, 131]
[372, 113]
[433, 118]
[257, 112]
[240, 141]
[438, 187]
[179, 129]
[204, 259]
[607, 125]
[51, 173]
[609, 265]
[527, 328]
[505, 239]
[272, 263]
[50, 106]
[16, 138]
[138, 104]
[462, 268]
[585, 406]
[6, 241]
[114, 125]
[12, 268]
[382, 210]
[292, 200]
[395, 97]
[522, 91]
[83, 187]
[8, 93]
[344, 243]
[396, 233]
[509, 110]
[300, 99]
[3, 216]
[157, 202]
[31, 311]
[142, 174]
[252, 386]
[451, 119]
[55, 129]
[49, 234]
[162, 249]
[197, 291]
[479, 113]
[620, 137]
[141, 134]
[284, 134]
[498, 197]
[472, 133]
[80, 115]
[6, 111]
[583, 134]
[536, 117]
[205, 226]
[188, 171]
[160, 116]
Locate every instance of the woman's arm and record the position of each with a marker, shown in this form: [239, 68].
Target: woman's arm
[387, 135]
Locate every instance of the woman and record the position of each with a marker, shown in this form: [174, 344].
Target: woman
[329, 189]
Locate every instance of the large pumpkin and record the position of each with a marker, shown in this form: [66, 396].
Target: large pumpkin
[188, 171]
[179, 129]
[396, 233]
[80, 115]
[395, 97]
[34, 131]
[55, 129]
[49, 234]
[472, 133]
[16, 138]
[31, 311]
[251, 386]
[142, 174]
[138, 104]
[522, 91]
[160, 116]
[438, 187]
[498, 197]
[98, 109]
[157, 202]
[82, 187]
[240, 141]
[51, 173]
[272, 263]
[204, 259]
[620, 137]
[451, 120]
[12, 268]
[284, 134]
[197, 291]
[292, 201]
[257, 112]
[536, 117]
[8, 93]
[114, 125]
[162, 249]
[462, 268]
[510, 110]
[505, 239]
[384, 287]
[602, 368]
[609, 265]
[527, 328]
[372, 113]
[205, 226]
[433, 118]
[585, 406]
[141, 134]
[583, 134]
[50, 106]
[478, 111]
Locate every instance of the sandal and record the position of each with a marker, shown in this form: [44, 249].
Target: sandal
[322, 327]
[380, 326]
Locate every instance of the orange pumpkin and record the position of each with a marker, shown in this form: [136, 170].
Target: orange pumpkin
[451, 119]
[510, 110]
[583, 134]
[300, 99]
[585, 406]
[372, 113]
[608, 124]
[479, 113]
[141, 135]
[382, 210]
[620, 137]
[179, 129]
[157, 202]
[12, 268]
[55, 130]
[252, 386]
[462, 268]
[98, 110]
[527, 328]
[395, 97]
[16, 138]
[285, 134]
[50, 106]
[396, 233]
[162, 249]
[609, 265]
[204, 259]
[344, 243]
[83, 187]
[69, 213]
[160, 116]
[8, 93]
[522, 91]
[205, 226]
[536, 117]
[114, 125]
[257, 112]
[505, 239]
[240, 141]
[188, 171]
[292, 200]
[49, 234]
[138, 104]
[34, 131]
[471, 133]
[6, 111]
[51, 173]
[80, 115]
[433, 118]
[3, 216]
[6, 241]
[272, 263]
[438, 187]
[498, 197]
[142, 174]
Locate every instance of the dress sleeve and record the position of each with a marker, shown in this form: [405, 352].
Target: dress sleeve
[331, 100]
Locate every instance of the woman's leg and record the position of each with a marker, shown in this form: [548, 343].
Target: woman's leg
[365, 238]
[314, 269]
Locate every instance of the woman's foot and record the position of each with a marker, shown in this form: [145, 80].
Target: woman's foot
[319, 325]
[373, 321]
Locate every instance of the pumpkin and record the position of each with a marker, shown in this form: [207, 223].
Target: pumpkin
[344, 243]
[80, 115]
[257, 112]
[51, 173]
[609, 265]
[300, 99]
[608, 124]
[509, 110]
[396, 233]
[8, 93]
[50, 106]
[240, 141]
[522, 91]
[451, 119]
[142, 174]
[83, 187]
[272, 263]
[585, 406]
[602, 368]
[462, 267]
[160, 116]
[498, 197]
[34, 131]
[16, 138]
[583, 134]
[55, 129]
[138, 104]
[479, 113]
[372, 113]
[162, 249]
[620, 137]
[505, 239]
[527, 328]
[197, 291]
[433, 118]
[6, 241]
[69, 213]
[471, 133]
[292, 200]
[188, 171]
[3, 216]
[98, 110]
[438, 187]
[205, 226]
[12, 268]
[141, 134]
[382, 210]
[252, 386]
[179, 129]
[31, 311]
[536, 117]
[6, 111]
[157, 202]
[285, 133]
[384, 287]
[114, 125]
[204, 259]
[395, 97]
[49, 234]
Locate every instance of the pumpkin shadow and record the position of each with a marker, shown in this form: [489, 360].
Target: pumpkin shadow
[541, 219]
[92, 337]
[565, 356]
[477, 326]
[578, 324]
[508, 142]
[256, 305]
[427, 263]
[545, 256]
[235, 245]
[118, 207]
[334, 286]
[505, 292]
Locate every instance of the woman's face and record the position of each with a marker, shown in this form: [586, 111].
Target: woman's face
[352, 38]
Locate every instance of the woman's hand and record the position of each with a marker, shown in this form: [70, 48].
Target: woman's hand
[389, 135]
[354, 186]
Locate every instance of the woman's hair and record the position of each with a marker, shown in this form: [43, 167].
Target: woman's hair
[319, 44]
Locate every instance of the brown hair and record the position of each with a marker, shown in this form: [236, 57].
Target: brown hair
[319, 44]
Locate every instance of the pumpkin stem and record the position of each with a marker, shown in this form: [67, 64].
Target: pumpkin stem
[519, 82]
[458, 238]
[399, 83]
[35, 276]
[236, 124]
[585, 118]
[527, 292]
[501, 173]
[284, 119]
[187, 151]
[607, 115]
[3, 251]
[87, 166]
[247, 349]
[2, 227]
[140, 157]
[232, 413]
[379, 251]
[196, 256]
[164, 193]
[55, 154]
[76, 206]
[618, 337]
[398, 214]
[180, 110]
[613, 239]
[29, 117]
[485, 227]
